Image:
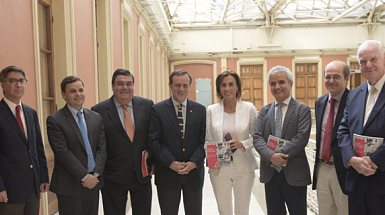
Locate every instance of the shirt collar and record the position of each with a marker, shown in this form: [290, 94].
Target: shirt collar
[175, 103]
[12, 105]
[337, 97]
[117, 104]
[286, 101]
[378, 85]
[73, 110]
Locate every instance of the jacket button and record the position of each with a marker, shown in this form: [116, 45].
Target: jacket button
[31, 166]
[184, 149]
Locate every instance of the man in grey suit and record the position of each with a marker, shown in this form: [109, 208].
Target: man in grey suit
[123, 171]
[76, 136]
[285, 172]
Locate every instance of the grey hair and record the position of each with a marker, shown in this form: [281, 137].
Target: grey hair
[278, 69]
[379, 44]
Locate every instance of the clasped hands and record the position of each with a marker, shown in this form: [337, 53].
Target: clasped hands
[90, 182]
[278, 159]
[363, 165]
[182, 168]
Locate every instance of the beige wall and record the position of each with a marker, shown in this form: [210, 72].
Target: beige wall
[16, 42]
[85, 64]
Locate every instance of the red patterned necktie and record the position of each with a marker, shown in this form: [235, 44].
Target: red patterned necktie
[328, 133]
[18, 118]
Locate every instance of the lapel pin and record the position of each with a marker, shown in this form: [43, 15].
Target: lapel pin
[190, 111]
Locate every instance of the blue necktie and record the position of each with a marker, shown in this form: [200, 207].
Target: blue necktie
[180, 119]
[83, 130]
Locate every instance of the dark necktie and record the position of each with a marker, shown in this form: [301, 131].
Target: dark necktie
[83, 130]
[18, 118]
[328, 133]
[180, 119]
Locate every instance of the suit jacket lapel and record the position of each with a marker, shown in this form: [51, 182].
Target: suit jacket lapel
[377, 106]
[219, 114]
[138, 112]
[7, 113]
[29, 121]
[340, 114]
[289, 112]
[271, 114]
[320, 114]
[70, 119]
[239, 113]
[190, 113]
[112, 112]
[89, 123]
[170, 109]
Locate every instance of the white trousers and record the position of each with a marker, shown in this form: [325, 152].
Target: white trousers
[229, 181]
[331, 199]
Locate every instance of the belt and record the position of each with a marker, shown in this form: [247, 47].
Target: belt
[328, 163]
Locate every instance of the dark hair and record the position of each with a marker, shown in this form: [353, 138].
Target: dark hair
[69, 80]
[220, 78]
[8, 69]
[122, 72]
[179, 72]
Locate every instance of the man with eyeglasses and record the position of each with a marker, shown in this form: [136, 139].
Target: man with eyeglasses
[126, 121]
[23, 165]
[329, 172]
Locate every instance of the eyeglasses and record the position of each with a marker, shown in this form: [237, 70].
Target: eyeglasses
[14, 81]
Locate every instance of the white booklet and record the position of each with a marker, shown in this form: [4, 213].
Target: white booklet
[217, 151]
[366, 145]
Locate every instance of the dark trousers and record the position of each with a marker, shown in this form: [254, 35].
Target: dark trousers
[114, 197]
[29, 207]
[86, 203]
[364, 201]
[169, 199]
[278, 192]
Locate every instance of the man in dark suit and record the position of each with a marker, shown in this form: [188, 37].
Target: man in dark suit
[123, 171]
[329, 172]
[364, 115]
[176, 138]
[285, 172]
[23, 166]
[76, 136]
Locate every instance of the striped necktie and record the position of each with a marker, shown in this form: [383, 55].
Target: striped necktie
[180, 119]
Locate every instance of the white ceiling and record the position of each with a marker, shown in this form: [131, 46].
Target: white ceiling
[170, 16]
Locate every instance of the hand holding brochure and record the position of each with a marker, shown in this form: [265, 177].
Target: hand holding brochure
[366, 145]
[276, 144]
[218, 151]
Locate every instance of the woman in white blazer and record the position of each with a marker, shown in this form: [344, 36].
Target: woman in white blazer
[237, 118]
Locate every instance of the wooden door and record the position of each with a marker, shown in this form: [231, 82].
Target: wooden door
[356, 77]
[306, 83]
[252, 84]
